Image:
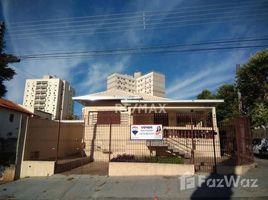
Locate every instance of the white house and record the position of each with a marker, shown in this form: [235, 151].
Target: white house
[13, 128]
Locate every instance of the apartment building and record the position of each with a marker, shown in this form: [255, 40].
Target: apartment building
[49, 94]
[152, 83]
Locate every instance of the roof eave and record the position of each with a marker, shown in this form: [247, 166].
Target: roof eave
[102, 98]
[205, 101]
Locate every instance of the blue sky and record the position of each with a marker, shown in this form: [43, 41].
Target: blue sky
[187, 74]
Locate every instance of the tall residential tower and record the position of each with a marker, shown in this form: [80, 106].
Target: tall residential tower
[152, 83]
[49, 94]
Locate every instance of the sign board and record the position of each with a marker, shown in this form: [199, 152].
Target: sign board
[146, 132]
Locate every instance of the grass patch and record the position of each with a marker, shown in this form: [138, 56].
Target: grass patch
[148, 159]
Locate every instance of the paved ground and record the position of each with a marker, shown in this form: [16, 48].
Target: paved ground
[93, 168]
[103, 187]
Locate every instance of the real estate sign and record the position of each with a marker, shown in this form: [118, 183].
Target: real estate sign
[146, 132]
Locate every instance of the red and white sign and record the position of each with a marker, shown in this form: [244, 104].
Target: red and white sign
[146, 132]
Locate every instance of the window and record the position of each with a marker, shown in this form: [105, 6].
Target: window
[183, 119]
[9, 134]
[161, 118]
[11, 117]
[108, 117]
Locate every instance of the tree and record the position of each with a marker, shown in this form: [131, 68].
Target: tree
[259, 115]
[228, 93]
[6, 73]
[229, 108]
[252, 81]
[206, 94]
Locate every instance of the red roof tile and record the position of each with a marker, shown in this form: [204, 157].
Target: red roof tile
[13, 106]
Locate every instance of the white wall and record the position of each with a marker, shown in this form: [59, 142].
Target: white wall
[9, 129]
[37, 168]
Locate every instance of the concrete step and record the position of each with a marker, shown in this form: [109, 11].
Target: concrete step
[157, 143]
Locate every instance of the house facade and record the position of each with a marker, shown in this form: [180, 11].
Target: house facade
[12, 137]
[187, 125]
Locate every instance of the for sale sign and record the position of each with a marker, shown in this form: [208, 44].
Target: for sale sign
[146, 132]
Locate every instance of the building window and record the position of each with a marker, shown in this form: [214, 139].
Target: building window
[161, 118]
[108, 117]
[183, 119]
[9, 134]
[11, 117]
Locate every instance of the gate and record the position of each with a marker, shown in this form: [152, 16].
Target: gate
[198, 142]
[236, 141]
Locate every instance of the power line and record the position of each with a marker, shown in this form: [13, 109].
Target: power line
[135, 28]
[147, 21]
[235, 40]
[213, 18]
[151, 49]
[224, 40]
[139, 25]
[138, 13]
[122, 26]
[123, 18]
[162, 52]
[24, 73]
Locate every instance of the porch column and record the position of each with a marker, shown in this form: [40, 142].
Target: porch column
[214, 122]
[172, 118]
[130, 117]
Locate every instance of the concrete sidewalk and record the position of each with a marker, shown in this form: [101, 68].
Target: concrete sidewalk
[103, 187]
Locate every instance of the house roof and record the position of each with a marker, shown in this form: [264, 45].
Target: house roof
[171, 101]
[128, 97]
[115, 94]
[13, 106]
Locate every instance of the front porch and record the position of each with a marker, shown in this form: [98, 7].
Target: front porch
[188, 132]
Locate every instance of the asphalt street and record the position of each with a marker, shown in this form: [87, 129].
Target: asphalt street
[62, 186]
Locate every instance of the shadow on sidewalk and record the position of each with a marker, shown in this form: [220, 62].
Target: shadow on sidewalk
[217, 186]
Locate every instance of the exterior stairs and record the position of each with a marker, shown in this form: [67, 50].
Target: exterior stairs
[172, 146]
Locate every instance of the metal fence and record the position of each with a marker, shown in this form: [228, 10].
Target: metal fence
[187, 138]
[236, 141]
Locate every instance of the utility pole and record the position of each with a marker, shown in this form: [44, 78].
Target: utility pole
[143, 20]
[61, 86]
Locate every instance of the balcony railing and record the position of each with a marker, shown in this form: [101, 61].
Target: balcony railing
[188, 128]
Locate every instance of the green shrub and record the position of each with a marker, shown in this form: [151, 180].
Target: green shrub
[148, 159]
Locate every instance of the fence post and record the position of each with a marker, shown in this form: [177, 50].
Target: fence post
[110, 142]
[214, 152]
[192, 135]
[58, 142]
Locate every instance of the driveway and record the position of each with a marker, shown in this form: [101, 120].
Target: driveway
[92, 168]
[103, 187]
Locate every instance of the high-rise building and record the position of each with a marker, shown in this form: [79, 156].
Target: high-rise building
[152, 83]
[49, 94]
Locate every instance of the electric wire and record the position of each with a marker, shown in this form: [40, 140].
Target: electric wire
[231, 5]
